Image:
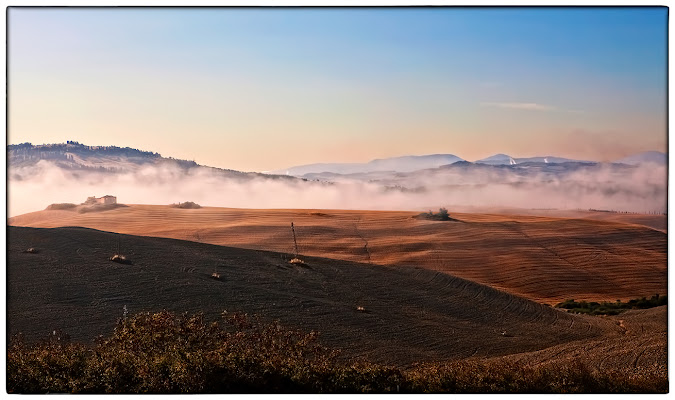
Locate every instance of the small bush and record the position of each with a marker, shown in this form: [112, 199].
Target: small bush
[442, 215]
[187, 205]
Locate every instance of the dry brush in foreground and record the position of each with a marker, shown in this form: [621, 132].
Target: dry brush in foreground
[165, 353]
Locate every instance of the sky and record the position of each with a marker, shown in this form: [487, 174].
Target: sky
[258, 89]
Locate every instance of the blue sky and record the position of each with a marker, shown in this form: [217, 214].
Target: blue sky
[243, 88]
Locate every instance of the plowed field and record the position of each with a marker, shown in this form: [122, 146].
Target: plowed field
[546, 259]
[639, 348]
[410, 315]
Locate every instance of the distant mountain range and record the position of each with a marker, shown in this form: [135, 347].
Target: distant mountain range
[394, 164]
[73, 156]
[648, 157]
[415, 163]
[503, 159]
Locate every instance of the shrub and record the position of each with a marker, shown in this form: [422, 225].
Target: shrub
[187, 205]
[442, 215]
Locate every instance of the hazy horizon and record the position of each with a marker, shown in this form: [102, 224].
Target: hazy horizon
[335, 160]
[262, 89]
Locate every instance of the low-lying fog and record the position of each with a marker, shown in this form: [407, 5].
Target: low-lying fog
[635, 189]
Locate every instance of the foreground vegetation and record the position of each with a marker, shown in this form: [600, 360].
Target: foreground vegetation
[607, 308]
[164, 353]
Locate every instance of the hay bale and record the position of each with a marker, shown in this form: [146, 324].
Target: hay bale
[297, 261]
[118, 258]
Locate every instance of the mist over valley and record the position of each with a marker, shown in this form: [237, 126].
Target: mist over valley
[71, 172]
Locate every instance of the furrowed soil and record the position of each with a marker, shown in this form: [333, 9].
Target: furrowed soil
[566, 255]
[409, 315]
[640, 348]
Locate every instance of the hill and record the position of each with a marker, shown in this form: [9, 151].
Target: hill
[648, 157]
[546, 259]
[409, 315]
[25, 159]
[504, 159]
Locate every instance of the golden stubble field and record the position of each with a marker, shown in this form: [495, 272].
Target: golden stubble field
[543, 258]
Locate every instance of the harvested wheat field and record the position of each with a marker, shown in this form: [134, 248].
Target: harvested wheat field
[396, 315]
[545, 259]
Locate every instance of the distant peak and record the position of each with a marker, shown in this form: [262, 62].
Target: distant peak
[496, 157]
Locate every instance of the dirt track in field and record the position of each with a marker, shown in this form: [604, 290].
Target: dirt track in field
[411, 315]
[546, 259]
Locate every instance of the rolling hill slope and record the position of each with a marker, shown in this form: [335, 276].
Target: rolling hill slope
[410, 314]
[546, 259]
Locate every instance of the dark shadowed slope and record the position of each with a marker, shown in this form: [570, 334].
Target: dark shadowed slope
[410, 314]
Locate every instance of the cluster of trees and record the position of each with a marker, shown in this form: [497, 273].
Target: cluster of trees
[59, 150]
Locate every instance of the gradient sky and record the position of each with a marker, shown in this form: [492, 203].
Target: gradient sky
[263, 89]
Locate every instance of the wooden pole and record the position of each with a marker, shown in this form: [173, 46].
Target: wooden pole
[294, 240]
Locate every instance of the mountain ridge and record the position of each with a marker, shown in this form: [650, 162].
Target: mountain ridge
[407, 163]
[74, 155]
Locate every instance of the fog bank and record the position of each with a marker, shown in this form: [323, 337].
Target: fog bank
[635, 189]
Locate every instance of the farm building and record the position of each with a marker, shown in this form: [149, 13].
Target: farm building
[107, 199]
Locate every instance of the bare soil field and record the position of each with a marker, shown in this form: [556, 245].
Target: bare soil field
[654, 221]
[409, 314]
[641, 347]
[543, 258]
